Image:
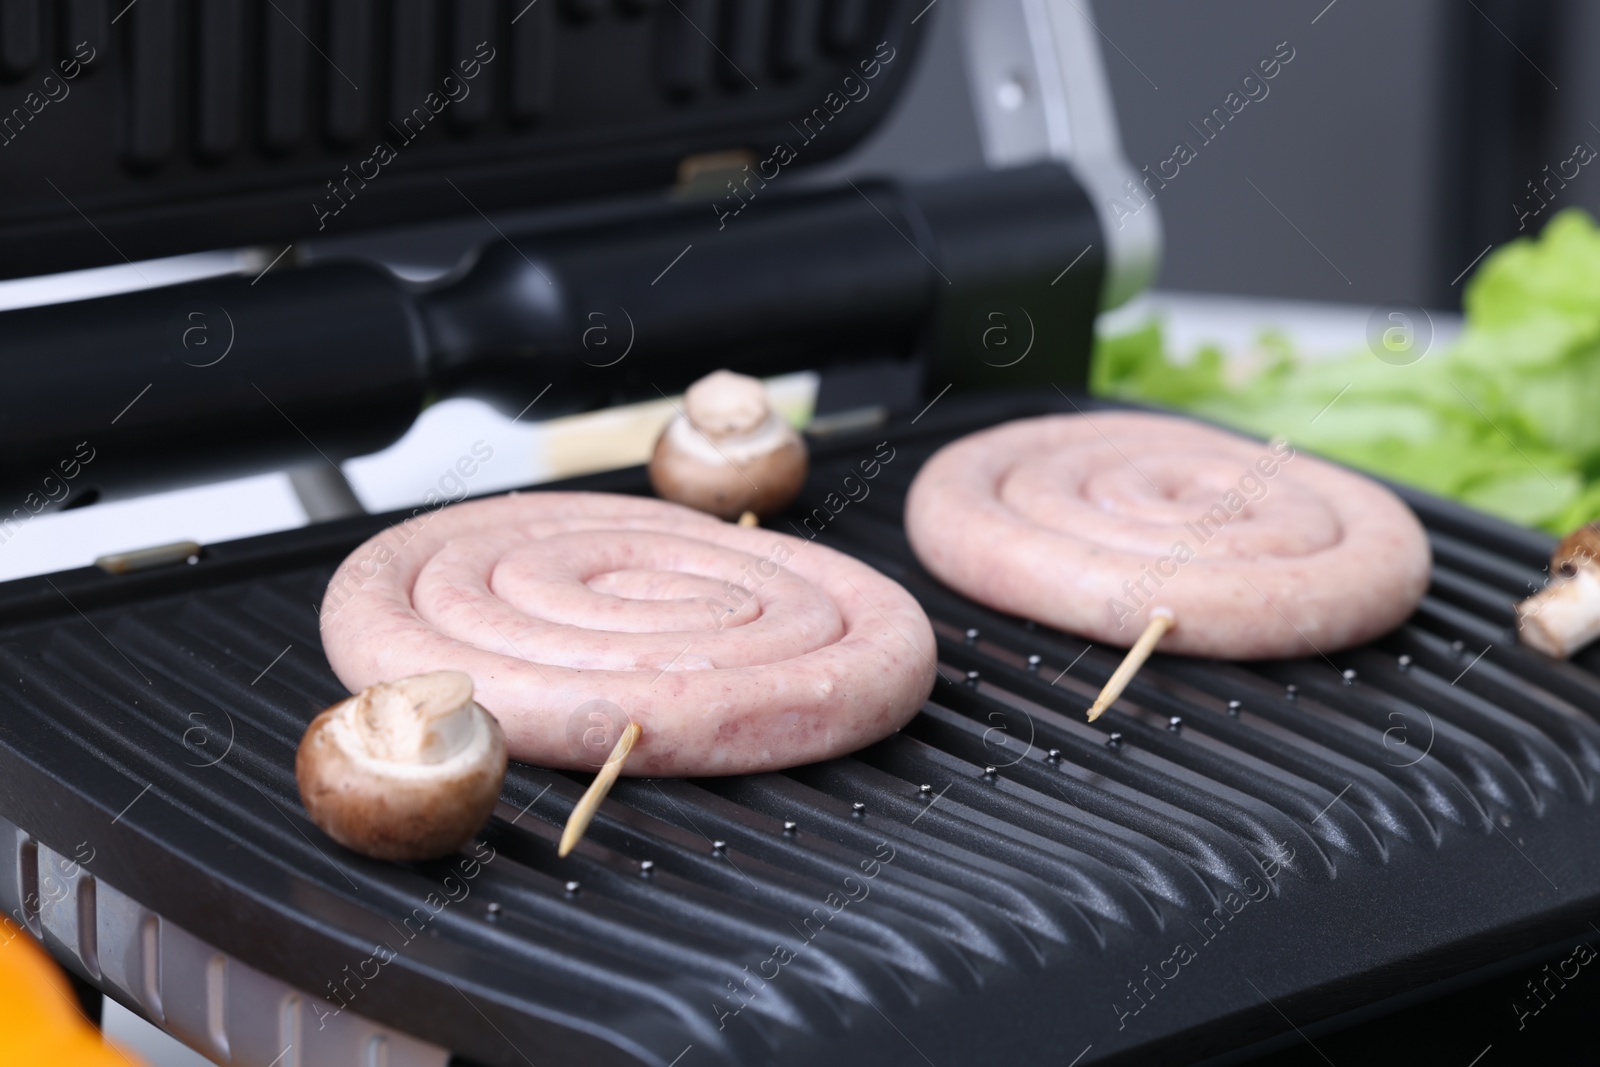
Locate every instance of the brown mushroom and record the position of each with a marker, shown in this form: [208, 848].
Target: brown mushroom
[728, 452]
[403, 770]
[1565, 615]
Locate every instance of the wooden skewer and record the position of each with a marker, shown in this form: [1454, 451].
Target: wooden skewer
[749, 518]
[1161, 620]
[589, 803]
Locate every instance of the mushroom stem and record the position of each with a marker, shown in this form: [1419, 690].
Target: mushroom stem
[749, 518]
[1161, 620]
[1565, 615]
[727, 452]
[589, 803]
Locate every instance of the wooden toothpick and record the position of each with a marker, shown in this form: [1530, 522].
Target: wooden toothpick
[1161, 620]
[749, 518]
[589, 803]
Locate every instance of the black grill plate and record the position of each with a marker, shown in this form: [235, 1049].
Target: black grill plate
[1440, 818]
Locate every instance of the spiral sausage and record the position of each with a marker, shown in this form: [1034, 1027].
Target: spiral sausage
[1088, 523]
[737, 650]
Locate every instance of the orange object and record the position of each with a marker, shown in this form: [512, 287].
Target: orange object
[40, 1020]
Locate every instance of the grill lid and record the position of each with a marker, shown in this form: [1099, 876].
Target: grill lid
[185, 127]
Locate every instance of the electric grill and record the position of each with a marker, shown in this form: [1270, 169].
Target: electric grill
[1000, 882]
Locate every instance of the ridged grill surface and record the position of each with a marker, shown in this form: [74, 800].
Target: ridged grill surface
[1434, 804]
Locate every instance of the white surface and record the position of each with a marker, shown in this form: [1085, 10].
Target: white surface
[207, 514]
[124, 277]
[1235, 323]
[437, 453]
[154, 1047]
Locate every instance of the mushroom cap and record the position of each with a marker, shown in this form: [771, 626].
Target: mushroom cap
[404, 770]
[729, 452]
[1580, 547]
[688, 470]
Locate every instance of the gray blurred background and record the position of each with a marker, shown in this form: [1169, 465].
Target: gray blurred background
[1397, 141]
[1404, 138]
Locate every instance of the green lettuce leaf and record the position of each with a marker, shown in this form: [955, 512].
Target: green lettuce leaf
[1507, 419]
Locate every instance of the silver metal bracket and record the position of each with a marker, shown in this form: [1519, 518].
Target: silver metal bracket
[1039, 92]
[210, 1001]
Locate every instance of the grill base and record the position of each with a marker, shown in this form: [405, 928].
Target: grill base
[1375, 837]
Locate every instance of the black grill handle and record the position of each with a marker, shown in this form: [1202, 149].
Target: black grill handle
[233, 375]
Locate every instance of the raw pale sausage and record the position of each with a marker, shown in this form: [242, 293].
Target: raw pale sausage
[1088, 522]
[737, 650]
